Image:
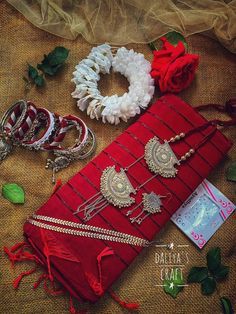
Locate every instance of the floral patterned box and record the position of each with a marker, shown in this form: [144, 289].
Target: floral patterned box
[203, 213]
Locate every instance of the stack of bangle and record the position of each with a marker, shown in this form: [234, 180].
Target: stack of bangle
[37, 128]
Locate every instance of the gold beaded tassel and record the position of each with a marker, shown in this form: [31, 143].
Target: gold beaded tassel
[187, 155]
[176, 138]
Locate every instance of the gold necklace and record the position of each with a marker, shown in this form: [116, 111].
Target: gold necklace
[92, 231]
[116, 188]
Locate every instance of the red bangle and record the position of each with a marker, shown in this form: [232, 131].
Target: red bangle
[27, 121]
[67, 122]
[31, 140]
[15, 115]
[58, 135]
[19, 119]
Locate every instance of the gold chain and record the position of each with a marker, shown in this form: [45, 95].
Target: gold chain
[95, 232]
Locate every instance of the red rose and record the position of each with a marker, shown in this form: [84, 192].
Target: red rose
[172, 68]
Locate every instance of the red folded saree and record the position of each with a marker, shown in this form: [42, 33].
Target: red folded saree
[87, 267]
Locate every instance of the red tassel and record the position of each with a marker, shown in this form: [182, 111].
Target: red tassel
[73, 310]
[47, 254]
[15, 257]
[129, 306]
[53, 290]
[106, 252]
[18, 245]
[40, 279]
[21, 255]
[52, 247]
[93, 282]
[57, 186]
[10, 255]
[45, 278]
[17, 281]
[17, 253]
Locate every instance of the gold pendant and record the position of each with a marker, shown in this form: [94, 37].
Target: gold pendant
[116, 187]
[160, 158]
[151, 205]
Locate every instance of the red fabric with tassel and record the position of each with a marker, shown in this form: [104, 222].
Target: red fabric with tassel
[96, 284]
[18, 253]
[17, 281]
[82, 276]
[57, 185]
[125, 305]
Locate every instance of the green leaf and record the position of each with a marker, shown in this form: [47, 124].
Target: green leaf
[197, 274]
[173, 287]
[213, 259]
[231, 172]
[13, 193]
[208, 286]
[53, 61]
[47, 69]
[221, 272]
[39, 80]
[57, 56]
[226, 306]
[32, 72]
[34, 77]
[175, 37]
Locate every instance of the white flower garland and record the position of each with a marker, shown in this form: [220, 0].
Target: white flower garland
[113, 108]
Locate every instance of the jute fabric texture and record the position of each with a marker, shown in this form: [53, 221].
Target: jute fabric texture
[21, 42]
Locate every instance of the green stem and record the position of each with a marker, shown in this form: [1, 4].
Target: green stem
[152, 46]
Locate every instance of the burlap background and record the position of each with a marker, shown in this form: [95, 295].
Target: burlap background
[21, 42]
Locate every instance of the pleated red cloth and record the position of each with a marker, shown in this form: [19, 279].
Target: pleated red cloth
[88, 267]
